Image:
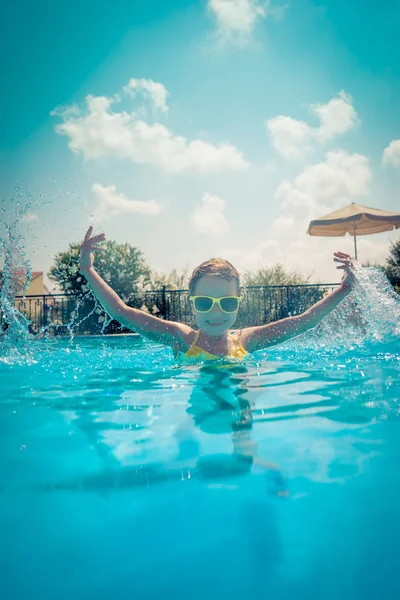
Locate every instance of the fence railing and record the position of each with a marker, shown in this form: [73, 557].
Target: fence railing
[59, 313]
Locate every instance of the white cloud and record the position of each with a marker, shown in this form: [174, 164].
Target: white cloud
[290, 137]
[150, 89]
[293, 138]
[336, 116]
[391, 154]
[236, 19]
[102, 132]
[209, 217]
[111, 203]
[30, 218]
[319, 189]
[326, 185]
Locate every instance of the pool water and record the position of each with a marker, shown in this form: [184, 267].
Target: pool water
[124, 474]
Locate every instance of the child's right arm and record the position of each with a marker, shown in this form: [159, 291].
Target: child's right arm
[256, 338]
[166, 332]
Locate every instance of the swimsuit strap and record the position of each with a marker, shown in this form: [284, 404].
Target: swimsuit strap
[193, 345]
[195, 340]
[235, 339]
[238, 344]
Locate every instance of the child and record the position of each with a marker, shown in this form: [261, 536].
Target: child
[214, 290]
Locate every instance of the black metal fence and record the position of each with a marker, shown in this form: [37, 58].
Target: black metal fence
[58, 314]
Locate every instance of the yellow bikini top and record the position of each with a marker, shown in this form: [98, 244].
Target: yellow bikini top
[194, 350]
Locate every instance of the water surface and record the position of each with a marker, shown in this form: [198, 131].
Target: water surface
[123, 472]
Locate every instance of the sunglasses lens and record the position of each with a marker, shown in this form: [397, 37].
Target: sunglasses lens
[203, 304]
[229, 304]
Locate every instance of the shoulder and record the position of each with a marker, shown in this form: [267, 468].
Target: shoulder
[248, 337]
[263, 336]
[185, 338]
[241, 336]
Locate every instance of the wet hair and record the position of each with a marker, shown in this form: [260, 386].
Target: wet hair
[215, 266]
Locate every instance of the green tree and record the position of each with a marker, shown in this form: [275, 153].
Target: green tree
[275, 275]
[392, 267]
[174, 280]
[275, 303]
[368, 263]
[122, 266]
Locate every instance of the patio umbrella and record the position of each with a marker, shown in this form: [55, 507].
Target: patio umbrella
[354, 219]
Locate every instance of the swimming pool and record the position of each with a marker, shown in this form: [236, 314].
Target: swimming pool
[126, 474]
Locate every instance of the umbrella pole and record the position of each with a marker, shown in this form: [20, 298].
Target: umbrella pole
[355, 241]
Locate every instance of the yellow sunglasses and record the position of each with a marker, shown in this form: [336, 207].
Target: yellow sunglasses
[228, 304]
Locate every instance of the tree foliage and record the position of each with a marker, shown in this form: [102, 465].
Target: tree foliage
[393, 264]
[174, 280]
[122, 266]
[274, 275]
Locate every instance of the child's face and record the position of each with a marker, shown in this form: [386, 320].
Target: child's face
[215, 322]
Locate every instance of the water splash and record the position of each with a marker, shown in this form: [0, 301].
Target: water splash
[17, 335]
[369, 315]
[14, 326]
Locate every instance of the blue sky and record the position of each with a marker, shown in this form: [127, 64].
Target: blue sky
[194, 128]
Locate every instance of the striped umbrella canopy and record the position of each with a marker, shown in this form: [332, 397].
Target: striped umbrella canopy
[354, 219]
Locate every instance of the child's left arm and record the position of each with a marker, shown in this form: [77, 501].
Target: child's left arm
[256, 338]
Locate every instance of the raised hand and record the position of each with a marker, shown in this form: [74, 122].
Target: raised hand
[88, 247]
[346, 263]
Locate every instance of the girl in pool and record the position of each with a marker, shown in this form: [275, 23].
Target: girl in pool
[214, 290]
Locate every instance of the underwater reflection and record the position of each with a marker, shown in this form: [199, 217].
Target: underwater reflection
[218, 404]
[317, 413]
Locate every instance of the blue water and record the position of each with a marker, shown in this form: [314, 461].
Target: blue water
[124, 474]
